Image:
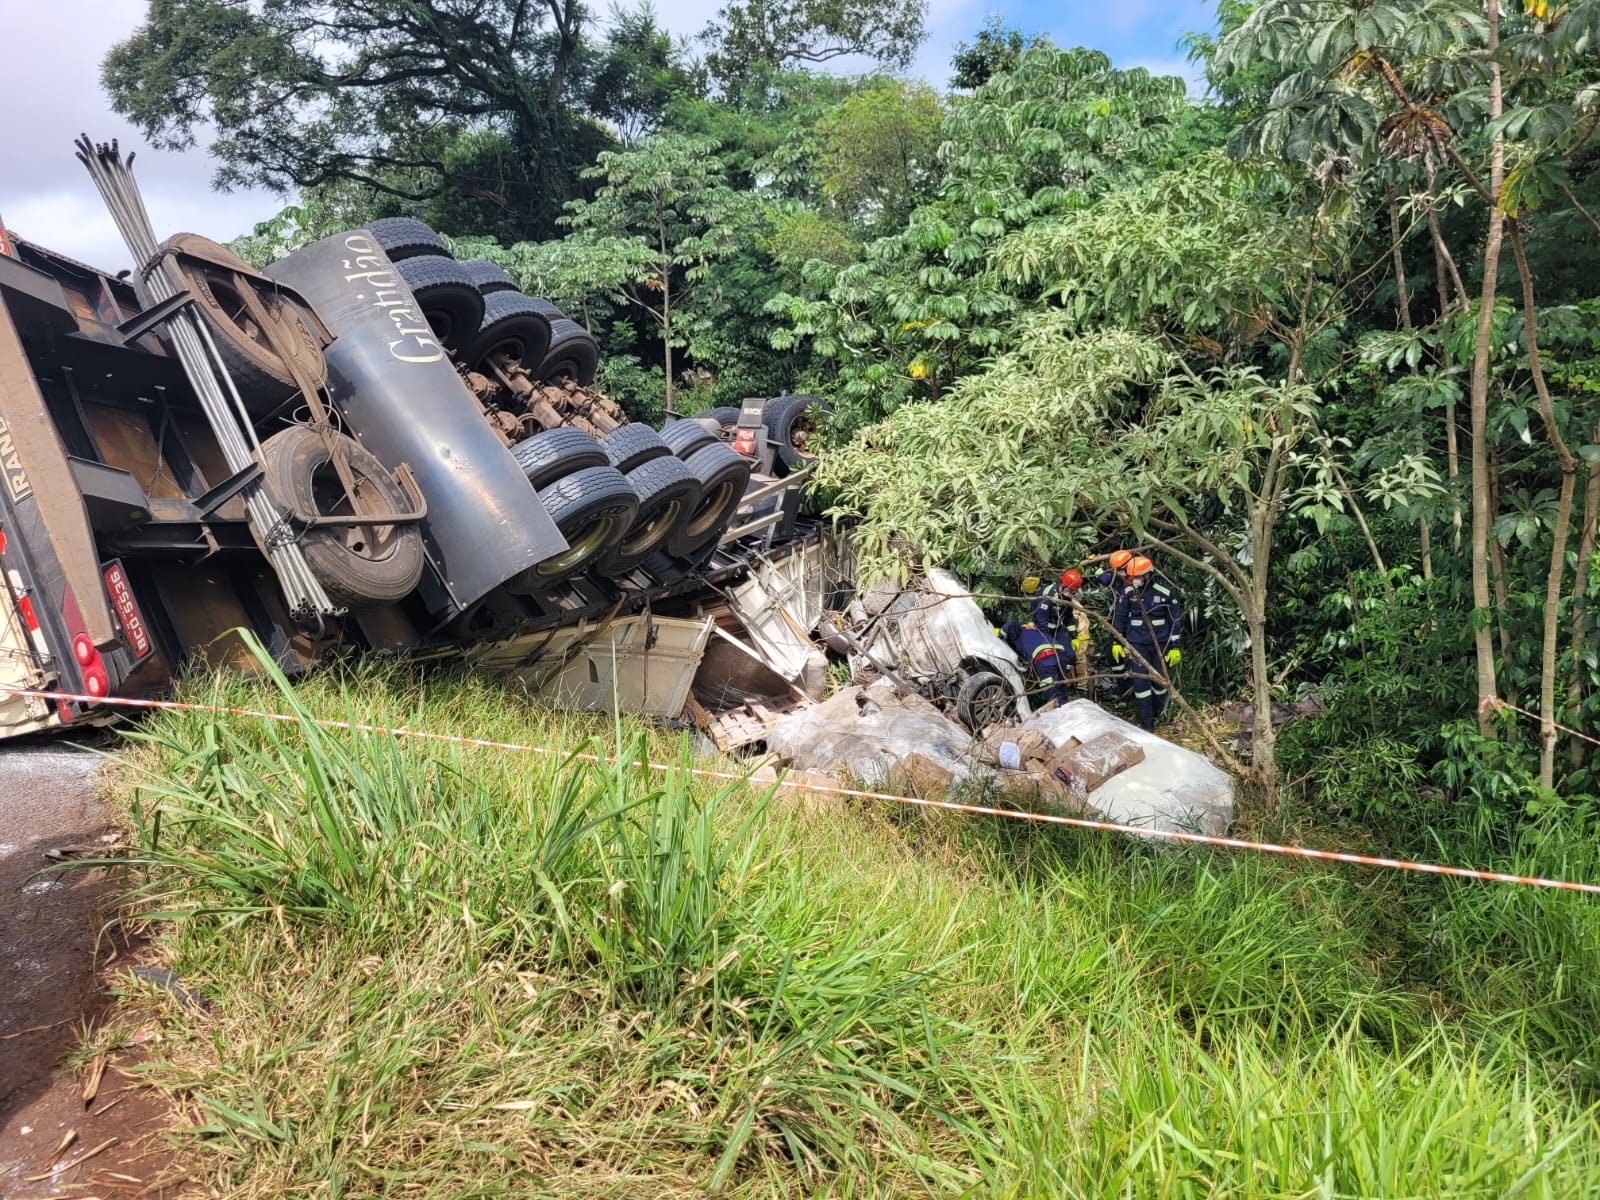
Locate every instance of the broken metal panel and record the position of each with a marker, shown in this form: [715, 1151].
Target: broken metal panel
[639, 664]
[780, 604]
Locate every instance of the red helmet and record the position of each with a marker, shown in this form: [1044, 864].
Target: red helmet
[1140, 566]
[1119, 559]
[1072, 579]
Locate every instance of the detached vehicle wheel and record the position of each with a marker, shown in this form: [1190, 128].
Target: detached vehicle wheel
[546, 457]
[447, 296]
[573, 353]
[359, 566]
[258, 356]
[488, 277]
[513, 326]
[668, 493]
[723, 477]
[633, 445]
[983, 699]
[406, 237]
[593, 508]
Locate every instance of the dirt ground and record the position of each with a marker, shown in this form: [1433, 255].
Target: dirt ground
[56, 961]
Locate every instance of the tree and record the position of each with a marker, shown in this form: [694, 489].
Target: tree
[994, 50]
[638, 73]
[1428, 82]
[662, 214]
[921, 308]
[878, 151]
[751, 35]
[411, 98]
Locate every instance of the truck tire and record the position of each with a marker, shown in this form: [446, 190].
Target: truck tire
[789, 429]
[488, 277]
[249, 352]
[723, 477]
[448, 297]
[359, 566]
[593, 509]
[406, 237]
[668, 495]
[511, 325]
[546, 457]
[573, 353]
[548, 308]
[633, 445]
[983, 699]
[726, 417]
[686, 436]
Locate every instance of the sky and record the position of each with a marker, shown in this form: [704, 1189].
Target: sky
[50, 92]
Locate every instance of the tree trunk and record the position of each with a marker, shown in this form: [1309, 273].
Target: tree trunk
[1441, 261]
[1426, 541]
[1403, 297]
[1263, 747]
[1499, 574]
[1577, 749]
[1557, 573]
[666, 304]
[1488, 691]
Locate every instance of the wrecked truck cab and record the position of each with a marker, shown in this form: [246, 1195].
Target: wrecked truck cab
[932, 634]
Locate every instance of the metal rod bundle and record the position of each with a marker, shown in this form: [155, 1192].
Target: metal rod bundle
[156, 279]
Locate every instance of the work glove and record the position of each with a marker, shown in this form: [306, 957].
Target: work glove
[1080, 644]
[1117, 652]
[1174, 657]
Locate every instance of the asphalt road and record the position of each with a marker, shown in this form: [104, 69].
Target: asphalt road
[48, 923]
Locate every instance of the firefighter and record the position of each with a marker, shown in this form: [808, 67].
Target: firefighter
[1118, 561]
[1053, 605]
[1049, 660]
[1148, 618]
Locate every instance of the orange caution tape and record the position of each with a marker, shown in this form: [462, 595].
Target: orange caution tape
[1169, 835]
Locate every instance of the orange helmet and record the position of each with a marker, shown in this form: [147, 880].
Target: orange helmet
[1140, 566]
[1072, 579]
[1119, 559]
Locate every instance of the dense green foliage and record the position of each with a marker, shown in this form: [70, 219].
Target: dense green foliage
[443, 971]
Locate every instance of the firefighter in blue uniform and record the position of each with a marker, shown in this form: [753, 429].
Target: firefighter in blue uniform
[1148, 617]
[1052, 606]
[1049, 660]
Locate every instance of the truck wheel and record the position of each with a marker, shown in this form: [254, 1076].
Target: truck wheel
[633, 445]
[686, 436]
[668, 493]
[406, 237]
[546, 457]
[723, 477]
[573, 353]
[984, 698]
[790, 428]
[250, 352]
[725, 417]
[488, 277]
[358, 565]
[447, 296]
[593, 509]
[548, 308]
[512, 326]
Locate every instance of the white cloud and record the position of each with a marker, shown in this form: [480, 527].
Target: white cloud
[50, 92]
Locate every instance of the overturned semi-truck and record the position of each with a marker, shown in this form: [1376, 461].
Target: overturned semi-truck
[365, 446]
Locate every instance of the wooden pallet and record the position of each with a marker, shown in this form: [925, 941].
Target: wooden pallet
[748, 722]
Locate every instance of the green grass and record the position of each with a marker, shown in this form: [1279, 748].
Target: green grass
[443, 972]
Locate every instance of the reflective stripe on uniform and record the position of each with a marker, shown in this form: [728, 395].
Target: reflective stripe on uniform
[1141, 695]
[1043, 650]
